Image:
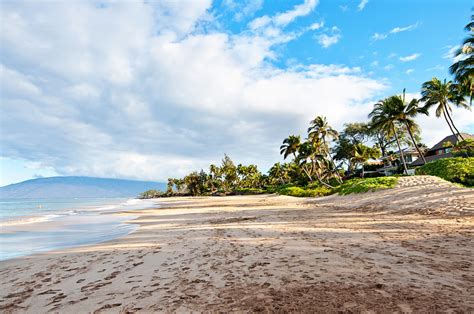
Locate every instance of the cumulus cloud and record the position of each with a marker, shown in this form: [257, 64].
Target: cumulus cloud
[411, 57]
[139, 90]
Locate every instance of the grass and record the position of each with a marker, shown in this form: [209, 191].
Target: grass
[366, 185]
[305, 191]
[458, 170]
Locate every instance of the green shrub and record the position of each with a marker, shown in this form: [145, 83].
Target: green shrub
[249, 191]
[458, 170]
[305, 192]
[151, 194]
[464, 148]
[366, 185]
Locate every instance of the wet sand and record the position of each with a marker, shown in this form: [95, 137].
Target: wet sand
[408, 249]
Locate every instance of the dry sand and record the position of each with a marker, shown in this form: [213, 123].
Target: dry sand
[408, 249]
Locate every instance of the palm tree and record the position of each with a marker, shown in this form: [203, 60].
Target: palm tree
[410, 111]
[277, 172]
[290, 146]
[306, 154]
[385, 117]
[463, 68]
[320, 130]
[362, 153]
[443, 94]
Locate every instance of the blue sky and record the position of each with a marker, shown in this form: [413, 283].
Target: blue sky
[153, 89]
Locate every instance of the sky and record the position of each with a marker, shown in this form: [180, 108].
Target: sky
[156, 89]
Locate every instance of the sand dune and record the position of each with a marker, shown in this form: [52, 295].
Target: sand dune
[408, 249]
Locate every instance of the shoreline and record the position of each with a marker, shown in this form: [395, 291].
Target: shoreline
[68, 228]
[267, 253]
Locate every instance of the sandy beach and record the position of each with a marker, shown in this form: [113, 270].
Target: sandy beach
[407, 249]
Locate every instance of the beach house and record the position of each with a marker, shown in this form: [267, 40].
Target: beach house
[442, 149]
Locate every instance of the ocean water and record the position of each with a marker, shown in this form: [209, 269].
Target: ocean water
[40, 225]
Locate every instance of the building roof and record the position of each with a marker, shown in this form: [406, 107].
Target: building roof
[452, 139]
[419, 161]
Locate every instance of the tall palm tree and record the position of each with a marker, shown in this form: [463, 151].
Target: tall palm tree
[290, 146]
[443, 95]
[410, 111]
[463, 67]
[320, 130]
[385, 117]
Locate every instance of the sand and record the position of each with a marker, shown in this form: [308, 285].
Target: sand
[407, 249]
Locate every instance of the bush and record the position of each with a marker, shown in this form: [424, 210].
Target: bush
[458, 170]
[464, 148]
[305, 192]
[151, 194]
[249, 191]
[366, 185]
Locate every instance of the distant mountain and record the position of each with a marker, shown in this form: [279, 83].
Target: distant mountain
[77, 187]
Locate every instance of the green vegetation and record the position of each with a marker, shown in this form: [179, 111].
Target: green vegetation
[151, 194]
[458, 170]
[366, 185]
[305, 191]
[325, 160]
[464, 148]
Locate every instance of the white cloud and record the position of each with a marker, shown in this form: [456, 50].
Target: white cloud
[243, 9]
[410, 57]
[399, 29]
[271, 29]
[289, 16]
[377, 36]
[316, 26]
[395, 30]
[388, 67]
[169, 99]
[283, 19]
[410, 71]
[362, 4]
[327, 41]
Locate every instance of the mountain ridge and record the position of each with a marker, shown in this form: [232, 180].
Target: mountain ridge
[77, 187]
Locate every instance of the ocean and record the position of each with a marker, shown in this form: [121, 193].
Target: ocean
[30, 226]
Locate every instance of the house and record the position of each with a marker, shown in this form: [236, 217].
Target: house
[441, 149]
[392, 162]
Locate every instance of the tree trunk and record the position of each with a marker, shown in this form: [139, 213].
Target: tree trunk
[452, 123]
[323, 183]
[363, 171]
[338, 177]
[449, 124]
[401, 153]
[306, 172]
[414, 143]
